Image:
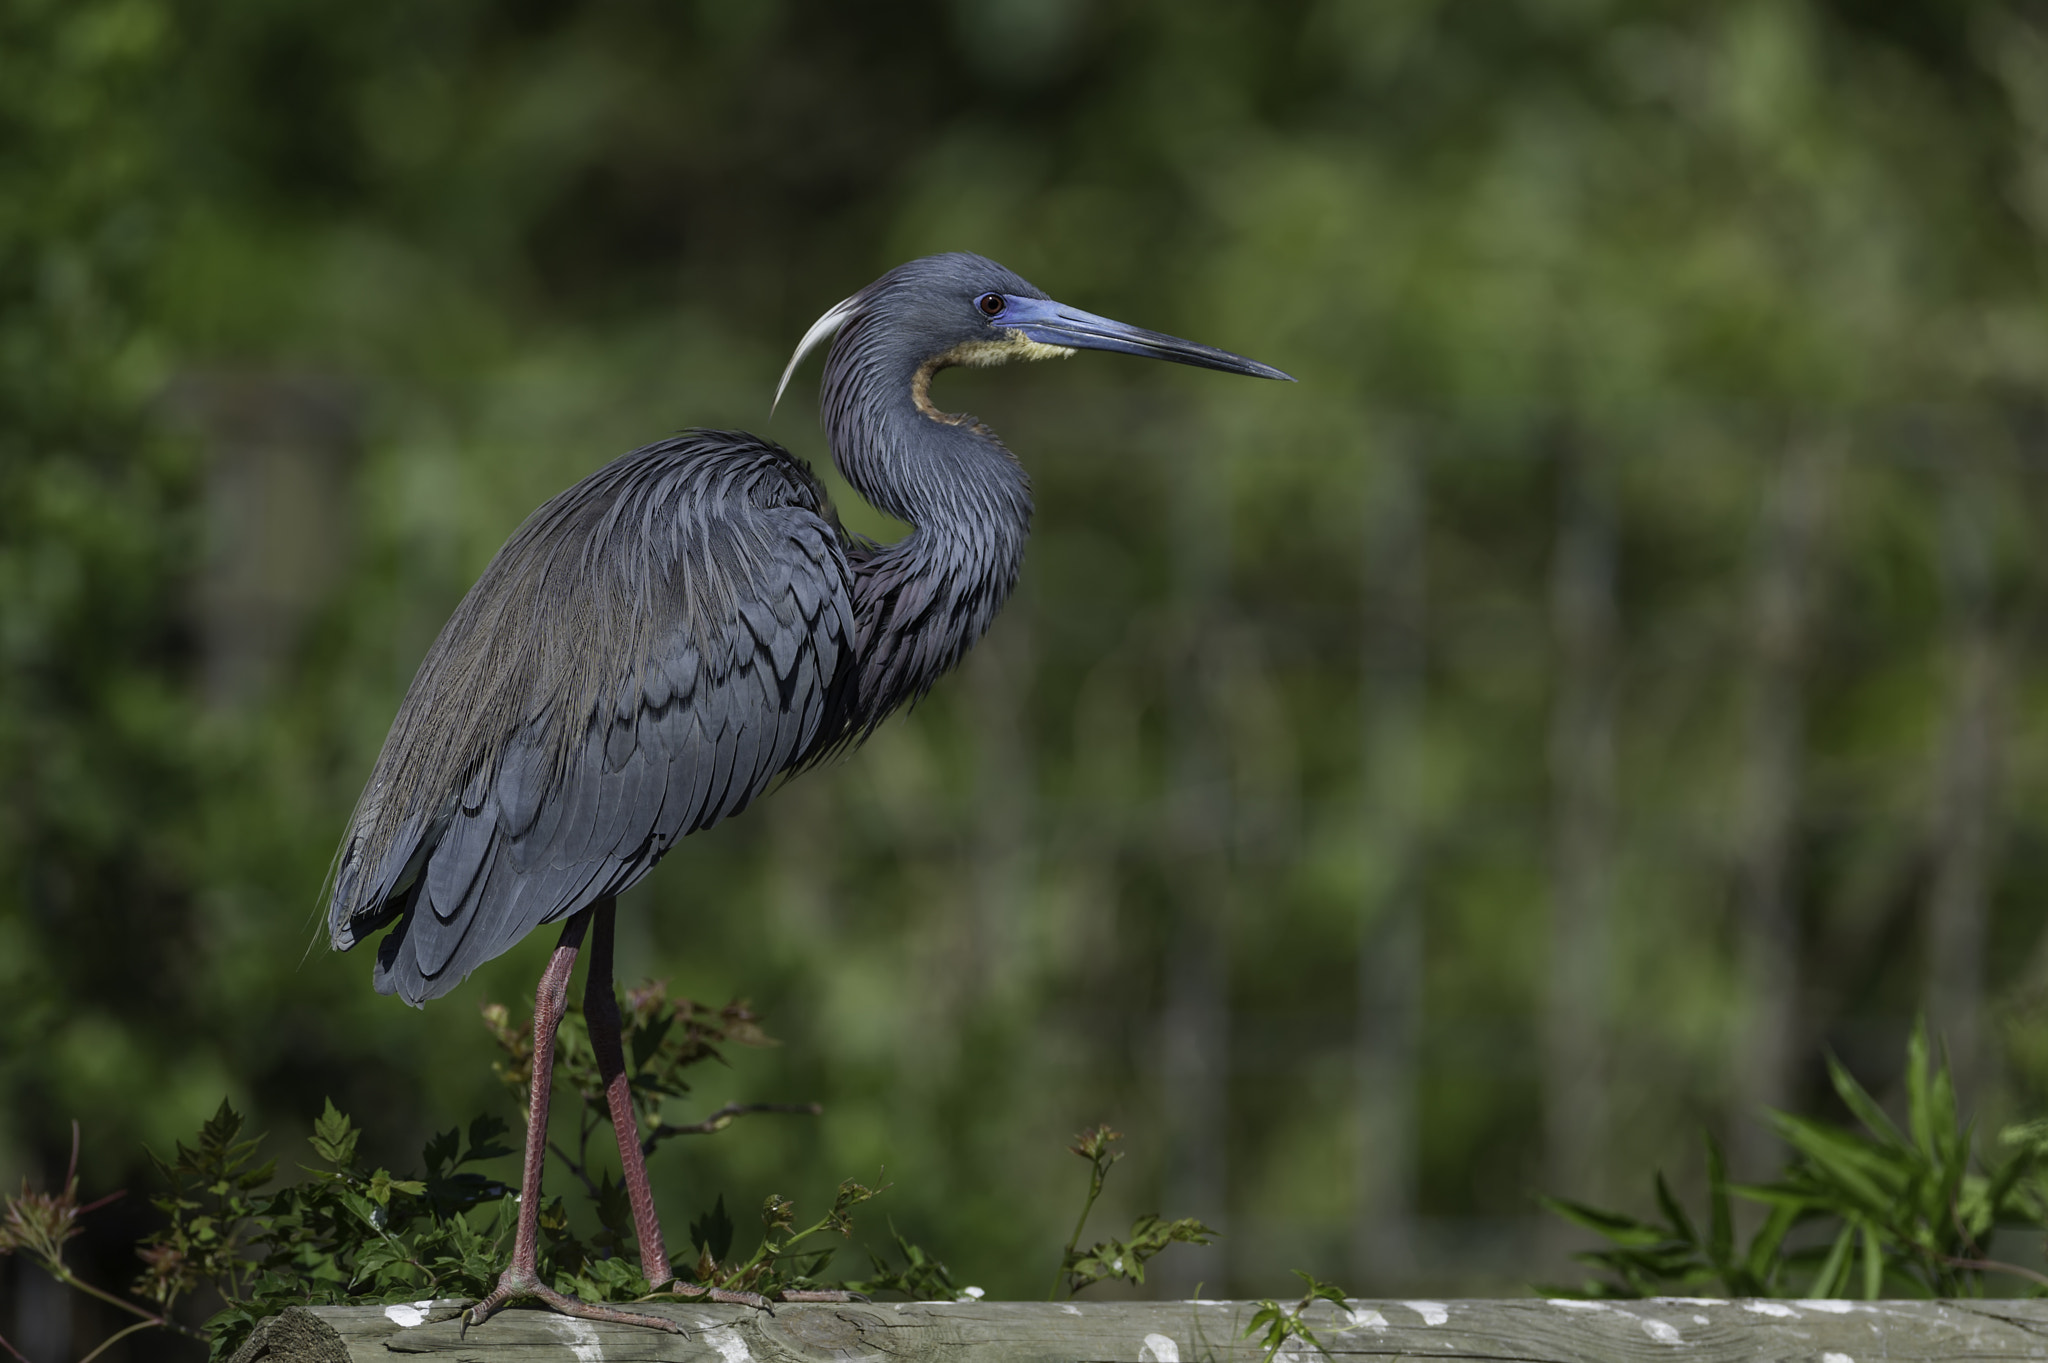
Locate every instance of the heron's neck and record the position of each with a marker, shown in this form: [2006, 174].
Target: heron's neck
[921, 602]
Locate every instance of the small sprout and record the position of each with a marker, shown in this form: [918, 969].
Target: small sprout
[166, 1274]
[1095, 1145]
[778, 1213]
[1121, 1259]
[1282, 1323]
[851, 1195]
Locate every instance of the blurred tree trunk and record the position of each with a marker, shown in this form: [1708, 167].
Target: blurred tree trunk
[807, 824]
[999, 680]
[1390, 947]
[1574, 1038]
[1966, 778]
[43, 1309]
[1195, 1021]
[1781, 609]
[281, 452]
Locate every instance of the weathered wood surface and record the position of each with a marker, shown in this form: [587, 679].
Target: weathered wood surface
[1676, 1330]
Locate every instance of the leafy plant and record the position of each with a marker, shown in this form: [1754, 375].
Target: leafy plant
[1121, 1259]
[1672, 1257]
[1280, 1323]
[783, 1261]
[347, 1231]
[1885, 1210]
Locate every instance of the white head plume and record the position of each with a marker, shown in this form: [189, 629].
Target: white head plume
[834, 318]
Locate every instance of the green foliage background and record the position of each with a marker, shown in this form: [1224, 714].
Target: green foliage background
[1154, 856]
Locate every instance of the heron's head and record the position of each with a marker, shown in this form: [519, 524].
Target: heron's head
[963, 309]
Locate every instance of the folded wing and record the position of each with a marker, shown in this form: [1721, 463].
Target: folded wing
[645, 655]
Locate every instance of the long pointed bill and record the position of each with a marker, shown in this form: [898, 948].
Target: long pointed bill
[1052, 323]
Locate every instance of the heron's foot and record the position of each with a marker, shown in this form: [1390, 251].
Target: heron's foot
[819, 1294]
[514, 1286]
[699, 1292]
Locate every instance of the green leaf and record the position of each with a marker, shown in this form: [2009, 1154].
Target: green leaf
[334, 1137]
[1843, 1168]
[1125, 1259]
[440, 1153]
[1999, 1191]
[1623, 1230]
[647, 1041]
[255, 1177]
[1763, 1250]
[486, 1139]
[1681, 1224]
[614, 1212]
[1862, 1104]
[849, 1196]
[1279, 1324]
[778, 1213]
[1835, 1269]
[219, 1133]
[1720, 1222]
[379, 1188]
[1317, 1289]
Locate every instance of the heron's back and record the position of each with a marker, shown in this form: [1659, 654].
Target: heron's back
[646, 653]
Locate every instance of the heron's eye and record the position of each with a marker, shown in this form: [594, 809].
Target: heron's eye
[990, 304]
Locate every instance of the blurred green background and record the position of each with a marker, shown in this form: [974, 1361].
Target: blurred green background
[1613, 676]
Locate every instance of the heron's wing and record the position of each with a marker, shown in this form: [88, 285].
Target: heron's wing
[682, 635]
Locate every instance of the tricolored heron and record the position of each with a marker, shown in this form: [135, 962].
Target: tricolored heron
[653, 647]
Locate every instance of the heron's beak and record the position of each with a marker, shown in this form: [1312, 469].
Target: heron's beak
[1051, 323]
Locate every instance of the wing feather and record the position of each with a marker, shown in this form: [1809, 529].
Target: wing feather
[653, 647]
[453, 867]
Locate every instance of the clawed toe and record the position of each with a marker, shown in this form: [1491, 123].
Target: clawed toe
[561, 1303]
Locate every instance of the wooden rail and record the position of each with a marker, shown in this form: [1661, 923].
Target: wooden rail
[1674, 1330]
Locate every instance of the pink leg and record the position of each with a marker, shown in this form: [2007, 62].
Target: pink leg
[522, 1277]
[601, 1011]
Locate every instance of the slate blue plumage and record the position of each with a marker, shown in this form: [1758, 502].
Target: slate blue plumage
[654, 646]
[637, 663]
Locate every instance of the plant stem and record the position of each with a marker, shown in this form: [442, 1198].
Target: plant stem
[65, 1276]
[1096, 1170]
[110, 1340]
[12, 1350]
[574, 1167]
[721, 1119]
[1995, 1266]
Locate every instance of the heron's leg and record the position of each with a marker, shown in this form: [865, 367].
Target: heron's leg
[550, 999]
[601, 1011]
[522, 1277]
